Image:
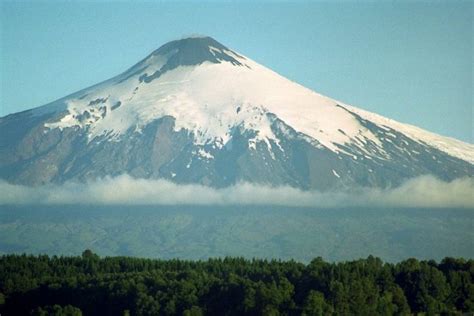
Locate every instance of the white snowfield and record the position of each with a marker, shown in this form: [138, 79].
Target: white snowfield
[211, 99]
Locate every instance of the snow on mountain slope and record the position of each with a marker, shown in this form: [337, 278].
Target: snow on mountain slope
[448, 145]
[196, 111]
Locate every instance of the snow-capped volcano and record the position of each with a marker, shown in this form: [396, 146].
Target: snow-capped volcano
[195, 111]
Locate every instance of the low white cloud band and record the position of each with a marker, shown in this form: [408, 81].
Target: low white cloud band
[425, 191]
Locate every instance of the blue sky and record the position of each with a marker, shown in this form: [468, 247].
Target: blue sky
[410, 61]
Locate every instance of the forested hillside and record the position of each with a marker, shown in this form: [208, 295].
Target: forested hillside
[89, 285]
[201, 232]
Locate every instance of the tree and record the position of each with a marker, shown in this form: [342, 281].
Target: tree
[315, 305]
[57, 310]
[400, 301]
[88, 254]
[147, 305]
[193, 311]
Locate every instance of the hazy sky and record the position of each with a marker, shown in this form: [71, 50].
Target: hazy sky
[410, 61]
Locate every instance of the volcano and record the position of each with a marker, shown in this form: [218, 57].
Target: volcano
[195, 111]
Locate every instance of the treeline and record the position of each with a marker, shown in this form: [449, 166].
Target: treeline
[89, 285]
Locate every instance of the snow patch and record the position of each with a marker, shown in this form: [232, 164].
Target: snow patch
[202, 153]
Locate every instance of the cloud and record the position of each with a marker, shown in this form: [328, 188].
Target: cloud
[425, 191]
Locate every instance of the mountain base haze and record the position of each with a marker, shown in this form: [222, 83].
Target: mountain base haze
[425, 191]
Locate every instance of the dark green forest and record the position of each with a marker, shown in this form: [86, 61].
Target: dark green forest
[90, 285]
